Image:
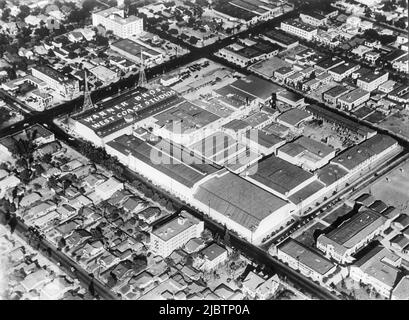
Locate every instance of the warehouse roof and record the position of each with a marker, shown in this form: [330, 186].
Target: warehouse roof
[127, 109]
[294, 117]
[304, 144]
[279, 174]
[354, 156]
[238, 199]
[256, 87]
[171, 164]
[353, 231]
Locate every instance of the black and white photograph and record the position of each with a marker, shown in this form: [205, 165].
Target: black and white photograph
[240, 153]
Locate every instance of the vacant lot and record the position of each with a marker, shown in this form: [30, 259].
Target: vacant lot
[392, 188]
[397, 123]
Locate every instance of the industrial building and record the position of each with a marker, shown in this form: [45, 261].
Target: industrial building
[134, 50]
[344, 241]
[65, 85]
[306, 153]
[242, 206]
[119, 115]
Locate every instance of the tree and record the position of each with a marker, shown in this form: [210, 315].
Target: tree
[91, 288]
[13, 223]
[24, 12]
[206, 235]
[61, 243]
[400, 24]
[101, 40]
[6, 14]
[226, 236]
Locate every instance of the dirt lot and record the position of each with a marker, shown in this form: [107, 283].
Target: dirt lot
[397, 123]
[392, 188]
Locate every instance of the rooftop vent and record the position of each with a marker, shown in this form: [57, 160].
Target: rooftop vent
[181, 220]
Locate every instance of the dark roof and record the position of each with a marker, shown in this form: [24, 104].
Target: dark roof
[186, 174]
[279, 175]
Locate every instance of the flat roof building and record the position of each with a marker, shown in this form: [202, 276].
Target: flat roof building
[370, 81]
[279, 176]
[309, 262]
[352, 99]
[306, 153]
[242, 206]
[345, 240]
[167, 164]
[358, 156]
[299, 29]
[117, 116]
[174, 233]
[379, 268]
[114, 19]
[63, 84]
[294, 117]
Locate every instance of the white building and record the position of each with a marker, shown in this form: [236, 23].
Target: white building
[372, 80]
[174, 233]
[352, 99]
[379, 268]
[114, 19]
[341, 244]
[313, 18]
[299, 29]
[258, 287]
[310, 263]
[104, 74]
[213, 256]
[64, 85]
[106, 189]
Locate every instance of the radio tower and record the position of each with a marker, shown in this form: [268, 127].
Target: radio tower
[142, 75]
[87, 95]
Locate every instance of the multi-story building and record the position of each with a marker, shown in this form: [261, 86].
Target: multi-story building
[213, 256]
[64, 85]
[370, 81]
[342, 71]
[345, 240]
[313, 18]
[114, 19]
[299, 29]
[174, 233]
[352, 99]
[309, 262]
[330, 96]
[379, 268]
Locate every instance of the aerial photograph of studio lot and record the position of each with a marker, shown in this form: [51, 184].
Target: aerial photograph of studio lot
[204, 150]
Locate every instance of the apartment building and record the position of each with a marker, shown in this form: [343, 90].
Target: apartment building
[299, 29]
[114, 19]
[174, 233]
